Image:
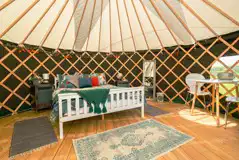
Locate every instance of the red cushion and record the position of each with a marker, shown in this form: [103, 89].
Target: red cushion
[95, 81]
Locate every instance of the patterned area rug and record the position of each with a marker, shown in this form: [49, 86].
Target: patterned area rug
[144, 140]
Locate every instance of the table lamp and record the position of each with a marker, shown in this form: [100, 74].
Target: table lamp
[45, 77]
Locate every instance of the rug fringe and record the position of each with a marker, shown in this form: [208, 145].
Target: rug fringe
[33, 150]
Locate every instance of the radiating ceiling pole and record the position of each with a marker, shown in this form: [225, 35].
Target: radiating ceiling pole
[54, 23]
[145, 10]
[101, 11]
[180, 19]
[92, 16]
[221, 12]
[131, 32]
[202, 21]
[110, 26]
[6, 4]
[121, 35]
[69, 22]
[39, 20]
[198, 17]
[141, 27]
[78, 29]
[163, 20]
[18, 18]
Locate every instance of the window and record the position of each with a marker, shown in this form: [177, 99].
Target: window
[218, 67]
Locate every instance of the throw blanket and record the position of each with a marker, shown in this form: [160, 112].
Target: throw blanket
[96, 97]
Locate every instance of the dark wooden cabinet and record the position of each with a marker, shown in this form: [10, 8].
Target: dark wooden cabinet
[42, 95]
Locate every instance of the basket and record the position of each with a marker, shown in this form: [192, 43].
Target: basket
[225, 76]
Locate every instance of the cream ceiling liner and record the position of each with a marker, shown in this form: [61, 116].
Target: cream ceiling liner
[115, 25]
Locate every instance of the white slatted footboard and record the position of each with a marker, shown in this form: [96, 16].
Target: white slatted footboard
[118, 100]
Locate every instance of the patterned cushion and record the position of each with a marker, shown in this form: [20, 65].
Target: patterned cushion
[86, 75]
[102, 79]
[62, 77]
[74, 79]
[85, 82]
[78, 74]
[66, 84]
[95, 81]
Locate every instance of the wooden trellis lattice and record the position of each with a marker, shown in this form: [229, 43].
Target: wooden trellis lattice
[130, 64]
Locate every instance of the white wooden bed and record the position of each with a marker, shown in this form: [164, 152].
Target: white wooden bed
[120, 99]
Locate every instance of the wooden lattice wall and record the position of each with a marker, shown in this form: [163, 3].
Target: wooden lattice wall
[173, 64]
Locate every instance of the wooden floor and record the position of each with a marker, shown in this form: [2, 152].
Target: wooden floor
[210, 142]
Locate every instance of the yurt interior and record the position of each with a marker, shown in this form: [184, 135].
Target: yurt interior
[119, 79]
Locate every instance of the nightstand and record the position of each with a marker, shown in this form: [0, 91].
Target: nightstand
[43, 96]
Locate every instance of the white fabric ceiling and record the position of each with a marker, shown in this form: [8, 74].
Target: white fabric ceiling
[115, 25]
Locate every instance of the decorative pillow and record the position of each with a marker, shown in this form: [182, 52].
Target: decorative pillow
[66, 84]
[85, 82]
[86, 75]
[78, 74]
[102, 79]
[95, 81]
[74, 79]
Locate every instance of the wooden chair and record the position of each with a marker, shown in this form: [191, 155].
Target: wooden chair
[231, 99]
[191, 82]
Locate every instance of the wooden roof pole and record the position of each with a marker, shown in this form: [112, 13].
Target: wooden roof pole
[121, 36]
[198, 17]
[54, 23]
[141, 27]
[6, 4]
[145, 10]
[101, 11]
[180, 19]
[161, 17]
[18, 18]
[110, 26]
[63, 36]
[202, 21]
[39, 20]
[93, 11]
[131, 32]
[221, 12]
[78, 29]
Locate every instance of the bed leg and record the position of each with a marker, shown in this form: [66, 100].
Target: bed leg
[142, 111]
[102, 116]
[61, 129]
